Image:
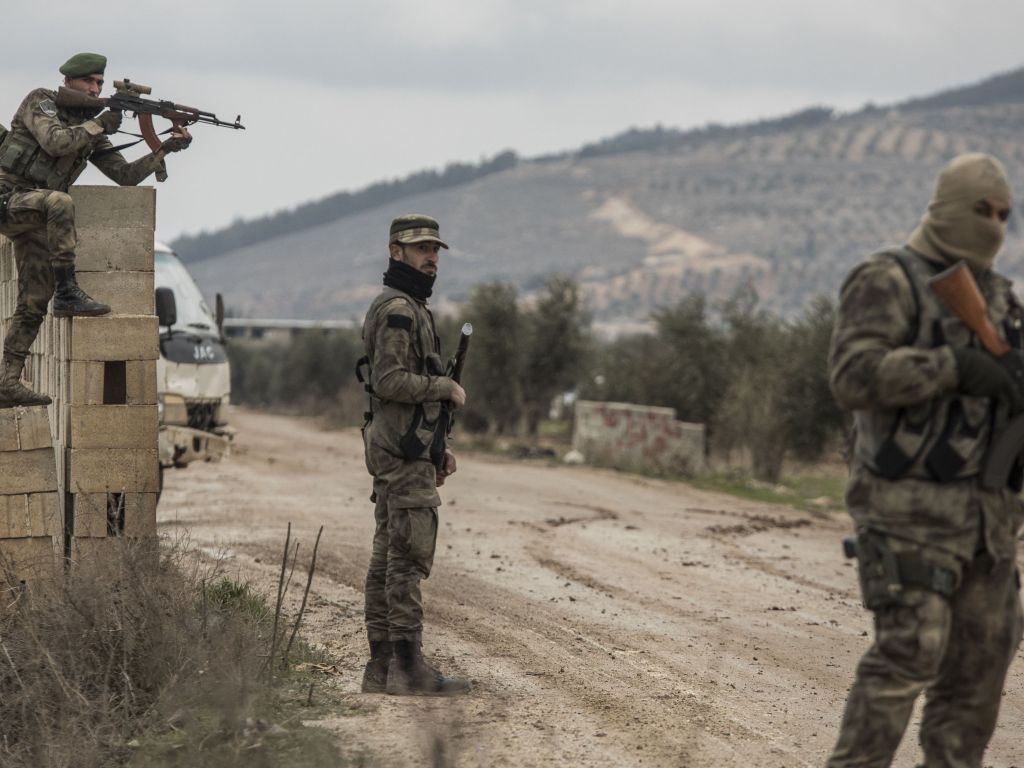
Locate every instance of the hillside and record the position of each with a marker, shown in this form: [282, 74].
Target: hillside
[644, 218]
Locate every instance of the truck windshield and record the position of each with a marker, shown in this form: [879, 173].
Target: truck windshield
[192, 309]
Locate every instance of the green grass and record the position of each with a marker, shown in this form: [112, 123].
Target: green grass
[813, 491]
[229, 595]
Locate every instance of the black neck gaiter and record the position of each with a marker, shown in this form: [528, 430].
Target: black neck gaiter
[408, 280]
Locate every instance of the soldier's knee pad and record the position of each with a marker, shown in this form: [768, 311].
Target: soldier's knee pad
[913, 633]
[60, 202]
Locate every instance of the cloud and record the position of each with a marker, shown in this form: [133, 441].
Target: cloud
[338, 94]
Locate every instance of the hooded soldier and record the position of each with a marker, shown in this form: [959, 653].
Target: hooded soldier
[936, 551]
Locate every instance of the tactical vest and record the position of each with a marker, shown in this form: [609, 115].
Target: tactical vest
[21, 155]
[407, 429]
[945, 438]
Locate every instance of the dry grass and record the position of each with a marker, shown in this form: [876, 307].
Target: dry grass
[145, 656]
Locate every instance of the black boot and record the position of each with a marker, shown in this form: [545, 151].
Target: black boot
[410, 675]
[71, 301]
[12, 391]
[375, 676]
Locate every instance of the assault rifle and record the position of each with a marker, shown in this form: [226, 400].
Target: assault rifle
[956, 287]
[446, 419]
[130, 97]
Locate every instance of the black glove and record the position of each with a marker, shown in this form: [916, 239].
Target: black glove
[110, 120]
[982, 375]
[175, 144]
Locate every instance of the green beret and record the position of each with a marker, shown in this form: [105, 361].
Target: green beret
[84, 64]
[416, 228]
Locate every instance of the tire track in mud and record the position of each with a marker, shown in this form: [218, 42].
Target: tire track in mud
[621, 676]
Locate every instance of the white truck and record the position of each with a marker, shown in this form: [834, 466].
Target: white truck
[193, 374]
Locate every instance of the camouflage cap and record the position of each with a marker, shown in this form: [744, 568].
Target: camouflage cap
[84, 64]
[416, 228]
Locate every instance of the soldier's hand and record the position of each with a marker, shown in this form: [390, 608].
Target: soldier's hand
[449, 467]
[110, 120]
[180, 139]
[458, 397]
[982, 375]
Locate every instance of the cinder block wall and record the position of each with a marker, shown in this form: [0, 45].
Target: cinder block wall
[637, 438]
[101, 373]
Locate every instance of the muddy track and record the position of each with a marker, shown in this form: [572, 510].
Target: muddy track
[606, 619]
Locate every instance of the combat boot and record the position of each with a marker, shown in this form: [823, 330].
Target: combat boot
[12, 391]
[375, 676]
[410, 675]
[71, 301]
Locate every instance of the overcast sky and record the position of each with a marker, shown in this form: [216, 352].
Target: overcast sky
[338, 94]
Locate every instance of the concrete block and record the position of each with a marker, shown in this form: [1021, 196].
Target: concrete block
[13, 515]
[90, 383]
[98, 515]
[8, 430]
[33, 427]
[86, 551]
[30, 559]
[113, 426]
[89, 518]
[128, 337]
[140, 515]
[44, 515]
[127, 293]
[106, 249]
[95, 470]
[115, 207]
[28, 471]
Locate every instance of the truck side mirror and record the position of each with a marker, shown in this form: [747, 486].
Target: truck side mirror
[166, 307]
[219, 310]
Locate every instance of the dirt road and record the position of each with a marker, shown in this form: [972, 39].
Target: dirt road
[606, 619]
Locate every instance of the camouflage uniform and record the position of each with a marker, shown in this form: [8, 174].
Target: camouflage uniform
[953, 628]
[45, 151]
[408, 384]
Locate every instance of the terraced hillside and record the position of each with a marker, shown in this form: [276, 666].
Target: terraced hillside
[790, 207]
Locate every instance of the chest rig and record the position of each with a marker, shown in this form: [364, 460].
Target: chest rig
[945, 438]
[21, 154]
[411, 428]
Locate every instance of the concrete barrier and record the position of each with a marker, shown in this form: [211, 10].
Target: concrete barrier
[637, 438]
[94, 476]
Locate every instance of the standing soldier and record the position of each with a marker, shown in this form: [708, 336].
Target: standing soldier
[936, 550]
[46, 149]
[407, 384]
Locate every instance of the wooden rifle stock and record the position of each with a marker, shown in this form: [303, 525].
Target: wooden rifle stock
[956, 286]
[72, 99]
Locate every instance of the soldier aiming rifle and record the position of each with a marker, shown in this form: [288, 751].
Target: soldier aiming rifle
[53, 135]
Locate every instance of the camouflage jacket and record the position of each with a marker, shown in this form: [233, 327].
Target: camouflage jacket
[891, 362]
[406, 374]
[48, 148]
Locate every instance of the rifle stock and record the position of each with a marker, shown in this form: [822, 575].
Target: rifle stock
[957, 287]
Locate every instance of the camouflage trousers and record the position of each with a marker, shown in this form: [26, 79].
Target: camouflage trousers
[403, 547]
[956, 650]
[41, 225]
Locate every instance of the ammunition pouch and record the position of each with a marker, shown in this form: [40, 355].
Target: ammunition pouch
[22, 156]
[884, 574]
[430, 421]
